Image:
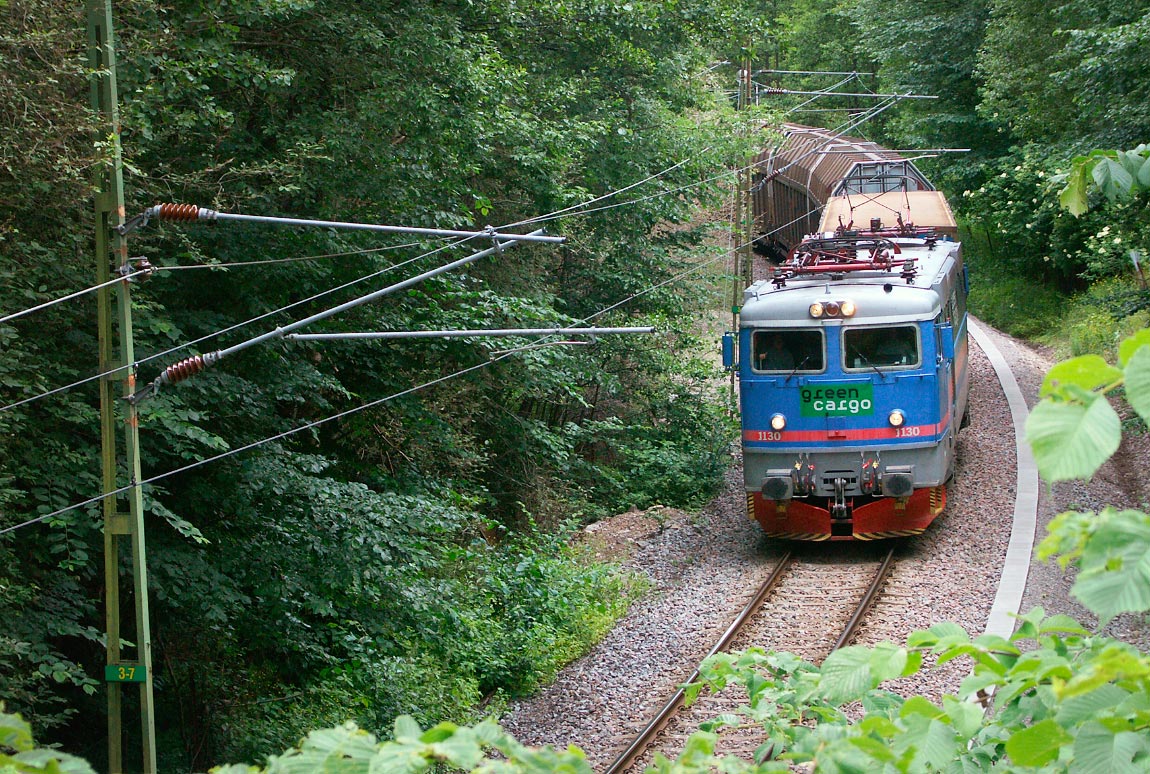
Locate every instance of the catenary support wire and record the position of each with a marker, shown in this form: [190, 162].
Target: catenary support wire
[77, 294]
[114, 372]
[463, 334]
[192, 212]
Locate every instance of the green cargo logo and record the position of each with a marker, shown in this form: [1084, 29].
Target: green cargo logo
[837, 400]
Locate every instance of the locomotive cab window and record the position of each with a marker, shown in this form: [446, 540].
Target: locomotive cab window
[887, 347]
[787, 350]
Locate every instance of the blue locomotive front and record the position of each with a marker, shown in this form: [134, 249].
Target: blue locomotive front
[853, 381]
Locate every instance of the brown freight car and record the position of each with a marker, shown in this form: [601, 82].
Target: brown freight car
[794, 181]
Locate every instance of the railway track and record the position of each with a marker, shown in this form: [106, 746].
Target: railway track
[807, 606]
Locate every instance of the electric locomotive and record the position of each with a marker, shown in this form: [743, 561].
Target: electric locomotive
[852, 364]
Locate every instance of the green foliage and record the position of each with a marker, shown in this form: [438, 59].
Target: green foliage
[1076, 429]
[1023, 84]
[1022, 305]
[1061, 698]
[1062, 72]
[1027, 232]
[1026, 252]
[929, 48]
[1117, 174]
[344, 749]
[343, 572]
[1111, 550]
[445, 746]
[20, 755]
[382, 604]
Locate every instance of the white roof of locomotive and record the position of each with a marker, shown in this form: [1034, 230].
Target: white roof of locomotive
[920, 299]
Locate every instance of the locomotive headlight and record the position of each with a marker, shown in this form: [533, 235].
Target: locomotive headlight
[778, 422]
[896, 418]
[816, 309]
[832, 308]
[847, 308]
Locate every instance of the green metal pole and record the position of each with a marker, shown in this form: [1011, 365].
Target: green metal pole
[112, 249]
[743, 269]
[745, 198]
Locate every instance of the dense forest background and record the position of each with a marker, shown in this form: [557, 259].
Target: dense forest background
[412, 558]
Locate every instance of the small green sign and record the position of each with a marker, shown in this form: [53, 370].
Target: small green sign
[124, 673]
[837, 400]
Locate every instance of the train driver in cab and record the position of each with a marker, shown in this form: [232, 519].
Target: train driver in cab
[775, 356]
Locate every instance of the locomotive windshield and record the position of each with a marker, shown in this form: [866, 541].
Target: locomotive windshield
[887, 347]
[788, 350]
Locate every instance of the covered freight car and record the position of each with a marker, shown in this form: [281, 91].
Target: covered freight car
[794, 180]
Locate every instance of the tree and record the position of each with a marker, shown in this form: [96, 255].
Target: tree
[1063, 73]
[930, 48]
[341, 566]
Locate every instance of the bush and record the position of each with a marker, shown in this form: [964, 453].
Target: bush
[1095, 321]
[1019, 306]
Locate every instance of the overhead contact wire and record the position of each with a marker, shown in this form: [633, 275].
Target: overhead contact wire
[297, 259]
[193, 365]
[186, 345]
[319, 295]
[572, 209]
[157, 269]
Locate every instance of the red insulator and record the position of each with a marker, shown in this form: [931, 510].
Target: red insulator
[186, 368]
[179, 212]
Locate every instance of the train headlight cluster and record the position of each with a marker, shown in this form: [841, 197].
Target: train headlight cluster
[896, 418]
[820, 309]
[778, 422]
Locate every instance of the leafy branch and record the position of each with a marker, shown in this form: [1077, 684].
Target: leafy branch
[1075, 428]
[1119, 174]
[484, 748]
[20, 755]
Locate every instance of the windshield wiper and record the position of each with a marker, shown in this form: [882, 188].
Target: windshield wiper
[872, 366]
[796, 369]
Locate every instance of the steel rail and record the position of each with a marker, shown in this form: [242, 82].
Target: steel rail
[643, 740]
[868, 599]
